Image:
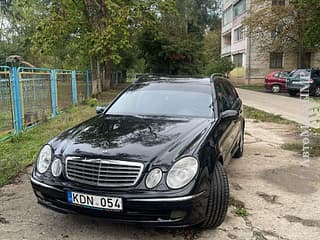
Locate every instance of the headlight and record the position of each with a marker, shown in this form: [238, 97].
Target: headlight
[154, 178]
[44, 159]
[56, 168]
[182, 172]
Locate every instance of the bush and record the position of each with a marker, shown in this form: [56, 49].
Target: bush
[92, 102]
[222, 65]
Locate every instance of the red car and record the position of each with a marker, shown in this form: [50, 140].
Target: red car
[276, 81]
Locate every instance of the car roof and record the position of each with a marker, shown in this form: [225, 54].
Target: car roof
[173, 79]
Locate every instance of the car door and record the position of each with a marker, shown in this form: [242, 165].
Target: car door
[225, 127]
[315, 84]
[235, 104]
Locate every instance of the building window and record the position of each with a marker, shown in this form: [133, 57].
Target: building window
[238, 34]
[278, 2]
[227, 16]
[276, 60]
[237, 60]
[239, 8]
[228, 58]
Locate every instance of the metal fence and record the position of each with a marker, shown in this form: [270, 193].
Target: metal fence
[29, 95]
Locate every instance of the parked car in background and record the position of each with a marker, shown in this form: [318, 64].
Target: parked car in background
[304, 78]
[155, 155]
[276, 81]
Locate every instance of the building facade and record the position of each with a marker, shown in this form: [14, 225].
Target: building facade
[251, 62]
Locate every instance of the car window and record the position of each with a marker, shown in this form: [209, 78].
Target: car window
[301, 74]
[222, 97]
[276, 75]
[231, 93]
[316, 73]
[170, 99]
[283, 75]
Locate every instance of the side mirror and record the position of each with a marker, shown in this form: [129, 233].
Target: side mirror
[229, 114]
[100, 109]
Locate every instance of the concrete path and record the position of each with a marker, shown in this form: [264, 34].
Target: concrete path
[291, 108]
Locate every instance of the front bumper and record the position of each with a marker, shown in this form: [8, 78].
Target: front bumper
[181, 211]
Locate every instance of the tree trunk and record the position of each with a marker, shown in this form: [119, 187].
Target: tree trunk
[93, 77]
[300, 56]
[96, 76]
[106, 84]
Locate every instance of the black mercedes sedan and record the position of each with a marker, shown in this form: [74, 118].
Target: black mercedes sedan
[155, 155]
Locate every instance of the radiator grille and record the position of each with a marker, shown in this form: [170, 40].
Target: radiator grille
[105, 173]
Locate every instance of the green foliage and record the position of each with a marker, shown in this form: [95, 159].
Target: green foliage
[293, 27]
[100, 29]
[222, 65]
[241, 212]
[92, 102]
[176, 44]
[250, 112]
[103, 34]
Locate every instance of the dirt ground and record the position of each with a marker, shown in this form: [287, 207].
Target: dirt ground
[281, 196]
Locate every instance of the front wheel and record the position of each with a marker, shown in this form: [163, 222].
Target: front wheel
[218, 198]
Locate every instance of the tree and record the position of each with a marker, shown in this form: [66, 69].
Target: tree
[176, 45]
[222, 65]
[97, 30]
[294, 26]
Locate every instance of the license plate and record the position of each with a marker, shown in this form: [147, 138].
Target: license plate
[92, 201]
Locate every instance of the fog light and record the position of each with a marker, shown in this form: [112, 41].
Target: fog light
[56, 168]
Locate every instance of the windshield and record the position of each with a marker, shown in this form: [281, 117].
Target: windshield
[165, 99]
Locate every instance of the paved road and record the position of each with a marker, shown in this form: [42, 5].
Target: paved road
[290, 108]
[281, 196]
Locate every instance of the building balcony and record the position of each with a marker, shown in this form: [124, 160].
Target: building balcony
[226, 50]
[226, 28]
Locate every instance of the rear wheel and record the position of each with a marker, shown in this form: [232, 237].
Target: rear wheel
[316, 91]
[292, 93]
[218, 198]
[275, 88]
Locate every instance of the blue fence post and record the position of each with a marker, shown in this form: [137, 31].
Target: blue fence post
[74, 87]
[16, 96]
[53, 78]
[88, 84]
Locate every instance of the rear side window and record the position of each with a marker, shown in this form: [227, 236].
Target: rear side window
[225, 97]
[231, 92]
[223, 103]
[316, 73]
[300, 74]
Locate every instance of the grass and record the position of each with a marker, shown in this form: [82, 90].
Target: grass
[21, 151]
[258, 88]
[241, 212]
[250, 112]
[296, 146]
[314, 147]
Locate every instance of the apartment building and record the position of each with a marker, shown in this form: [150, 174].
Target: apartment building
[251, 62]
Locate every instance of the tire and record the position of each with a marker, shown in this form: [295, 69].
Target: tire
[292, 93]
[275, 88]
[239, 152]
[316, 91]
[218, 198]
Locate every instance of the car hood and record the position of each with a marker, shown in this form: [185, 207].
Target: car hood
[133, 138]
